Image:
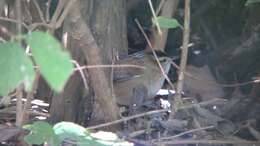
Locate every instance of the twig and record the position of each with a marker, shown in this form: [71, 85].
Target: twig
[28, 27]
[64, 14]
[155, 18]
[58, 11]
[254, 132]
[155, 55]
[35, 25]
[47, 12]
[204, 103]
[29, 98]
[14, 21]
[139, 132]
[112, 73]
[184, 54]
[39, 11]
[34, 113]
[109, 66]
[19, 104]
[81, 73]
[183, 133]
[213, 142]
[126, 119]
[159, 7]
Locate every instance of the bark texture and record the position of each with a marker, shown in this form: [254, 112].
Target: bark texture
[95, 29]
[107, 21]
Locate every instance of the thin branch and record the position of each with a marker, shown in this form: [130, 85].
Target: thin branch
[127, 119]
[31, 113]
[174, 65]
[14, 21]
[19, 104]
[39, 11]
[204, 103]
[35, 25]
[184, 54]
[254, 132]
[155, 18]
[28, 27]
[212, 142]
[47, 12]
[112, 73]
[159, 7]
[27, 104]
[184, 133]
[155, 55]
[109, 66]
[139, 132]
[81, 73]
[64, 14]
[58, 11]
[18, 6]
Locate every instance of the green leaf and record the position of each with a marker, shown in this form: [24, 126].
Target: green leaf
[40, 132]
[16, 68]
[79, 135]
[73, 132]
[248, 2]
[55, 65]
[69, 130]
[167, 22]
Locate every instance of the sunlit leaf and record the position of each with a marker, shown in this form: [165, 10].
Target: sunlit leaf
[79, 135]
[73, 132]
[70, 133]
[55, 64]
[167, 22]
[16, 68]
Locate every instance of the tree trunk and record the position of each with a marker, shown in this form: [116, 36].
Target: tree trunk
[106, 20]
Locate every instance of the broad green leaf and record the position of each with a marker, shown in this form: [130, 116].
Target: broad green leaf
[40, 132]
[69, 129]
[248, 2]
[16, 68]
[68, 132]
[167, 22]
[73, 132]
[80, 136]
[55, 65]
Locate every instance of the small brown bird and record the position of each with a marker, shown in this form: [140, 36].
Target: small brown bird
[129, 81]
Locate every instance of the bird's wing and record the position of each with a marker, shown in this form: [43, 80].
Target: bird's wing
[121, 74]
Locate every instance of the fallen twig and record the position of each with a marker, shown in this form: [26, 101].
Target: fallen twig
[183, 133]
[126, 119]
[213, 142]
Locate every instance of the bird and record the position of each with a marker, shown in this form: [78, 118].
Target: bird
[133, 85]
